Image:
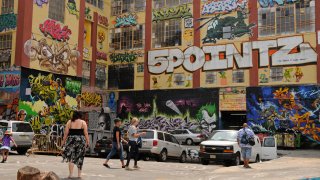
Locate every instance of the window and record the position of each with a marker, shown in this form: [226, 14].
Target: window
[269, 142]
[238, 76]
[5, 50]
[160, 136]
[86, 73]
[179, 79]
[140, 67]
[101, 76]
[7, 6]
[21, 127]
[288, 19]
[127, 38]
[97, 3]
[121, 76]
[5, 41]
[56, 10]
[169, 3]
[149, 135]
[174, 140]
[276, 74]
[167, 33]
[127, 6]
[211, 77]
[168, 137]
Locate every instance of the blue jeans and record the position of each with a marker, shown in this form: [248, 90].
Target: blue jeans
[114, 151]
[246, 152]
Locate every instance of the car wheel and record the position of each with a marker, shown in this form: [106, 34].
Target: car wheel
[183, 157]
[22, 151]
[146, 158]
[205, 161]
[257, 159]
[189, 142]
[237, 160]
[163, 156]
[124, 154]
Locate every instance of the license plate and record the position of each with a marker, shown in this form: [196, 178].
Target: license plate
[103, 150]
[212, 156]
[24, 137]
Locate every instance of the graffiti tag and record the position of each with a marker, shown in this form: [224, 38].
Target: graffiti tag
[126, 57]
[126, 21]
[103, 20]
[223, 6]
[53, 28]
[73, 86]
[8, 22]
[40, 2]
[182, 11]
[272, 3]
[9, 80]
[91, 99]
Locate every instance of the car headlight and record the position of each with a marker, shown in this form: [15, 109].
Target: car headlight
[229, 147]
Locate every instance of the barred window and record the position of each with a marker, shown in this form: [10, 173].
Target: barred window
[127, 38]
[57, 10]
[288, 19]
[86, 73]
[121, 76]
[276, 74]
[167, 33]
[101, 76]
[140, 67]
[238, 76]
[5, 41]
[169, 3]
[127, 6]
[7, 6]
[97, 3]
[211, 77]
[179, 79]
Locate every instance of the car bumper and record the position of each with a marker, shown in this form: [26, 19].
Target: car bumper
[198, 140]
[217, 156]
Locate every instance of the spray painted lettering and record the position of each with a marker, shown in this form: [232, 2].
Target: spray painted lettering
[89, 99]
[72, 8]
[126, 21]
[9, 79]
[72, 86]
[53, 28]
[126, 57]
[272, 3]
[40, 2]
[8, 22]
[103, 20]
[102, 55]
[182, 11]
[166, 60]
[223, 6]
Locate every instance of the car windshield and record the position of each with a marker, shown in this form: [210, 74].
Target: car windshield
[195, 131]
[149, 135]
[21, 127]
[224, 136]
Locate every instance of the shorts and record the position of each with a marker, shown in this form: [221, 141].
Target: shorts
[5, 148]
[246, 152]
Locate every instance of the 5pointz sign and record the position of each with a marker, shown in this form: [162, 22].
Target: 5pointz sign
[290, 51]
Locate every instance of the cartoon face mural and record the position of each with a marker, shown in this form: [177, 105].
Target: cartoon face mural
[286, 108]
[55, 57]
[48, 98]
[172, 109]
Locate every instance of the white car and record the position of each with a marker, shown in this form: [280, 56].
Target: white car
[162, 145]
[22, 134]
[223, 146]
[188, 136]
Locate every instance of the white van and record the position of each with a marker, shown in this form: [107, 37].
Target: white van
[223, 146]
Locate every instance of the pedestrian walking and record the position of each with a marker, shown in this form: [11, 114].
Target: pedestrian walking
[244, 137]
[133, 144]
[5, 148]
[75, 141]
[116, 143]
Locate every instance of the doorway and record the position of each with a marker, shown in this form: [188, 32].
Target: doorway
[233, 120]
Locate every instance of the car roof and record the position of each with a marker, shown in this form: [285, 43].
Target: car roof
[153, 130]
[13, 121]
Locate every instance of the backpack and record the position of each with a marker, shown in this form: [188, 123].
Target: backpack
[245, 139]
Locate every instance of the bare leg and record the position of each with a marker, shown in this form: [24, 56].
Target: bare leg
[122, 162]
[6, 155]
[79, 173]
[71, 165]
[3, 154]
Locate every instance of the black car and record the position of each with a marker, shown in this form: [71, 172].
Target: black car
[104, 145]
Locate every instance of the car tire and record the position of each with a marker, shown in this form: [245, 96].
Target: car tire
[189, 142]
[237, 160]
[205, 161]
[257, 159]
[22, 151]
[183, 157]
[163, 156]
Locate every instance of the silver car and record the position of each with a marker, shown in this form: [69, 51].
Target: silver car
[22, 134]
[187, 136]
[162, 145]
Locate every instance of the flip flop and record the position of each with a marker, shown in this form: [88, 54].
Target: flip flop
[106, 165]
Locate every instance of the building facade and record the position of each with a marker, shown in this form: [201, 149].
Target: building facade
[173, 63]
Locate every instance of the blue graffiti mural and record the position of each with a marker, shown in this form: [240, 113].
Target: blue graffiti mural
[271, 3]
[126, 21]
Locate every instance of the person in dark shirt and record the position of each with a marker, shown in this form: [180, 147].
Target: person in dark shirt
[116, 143]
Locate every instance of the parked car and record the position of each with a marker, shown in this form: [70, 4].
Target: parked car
[21, 132]
[162, 145]
[104, 145]
[223, 146]
[188, 137]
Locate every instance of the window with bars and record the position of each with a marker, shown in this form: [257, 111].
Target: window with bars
[127, 38]
[7, 6]
[169, 3]
[290, 18]
[179, 79]
[86, 73]
[127, 6]
[5, 41]
[166, 33]
[211, 77]
[276, 74]
[140, 67]
[57, 10]
[97, 3]
[121, 76]
[101, 76]
[238, 76]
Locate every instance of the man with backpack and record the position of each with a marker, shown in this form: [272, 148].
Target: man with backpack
[246, 141]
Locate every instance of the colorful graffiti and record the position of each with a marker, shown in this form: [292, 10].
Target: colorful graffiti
[102, 55]
[194, 58]
[101, 38]
[103, 20]
[89, 99]
[188, 23]
[182, 11]
[282, 108]
[264, 77]
[126, 57]
[87, 13]
[272, 3]
[40, 2]
[5, 58]
[53, 28]
[112, 102]
[9, 79]
[172, 109]
[72, 8]
[126, 20]
[48, 98]
[223, 6]
[8, 22]
[57, 57]
[9, 111]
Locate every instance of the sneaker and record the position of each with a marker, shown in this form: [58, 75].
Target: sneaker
[136, 167]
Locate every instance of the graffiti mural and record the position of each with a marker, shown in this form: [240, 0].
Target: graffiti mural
[91, 99]
[87, 13]
[126, 57]
[101, 38]
[126, 20]
[102, 20]
[40, 2]
[272, 3]
[72, 8]
[194, 58]
[47, 98]
[172, 109]
[282, 108]
[222, 6]
[5, 58]
[112, 102]
[188, 23]
[53, 28]
[8, 22]
[182, 11]
[102, 55]
[57, 57]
